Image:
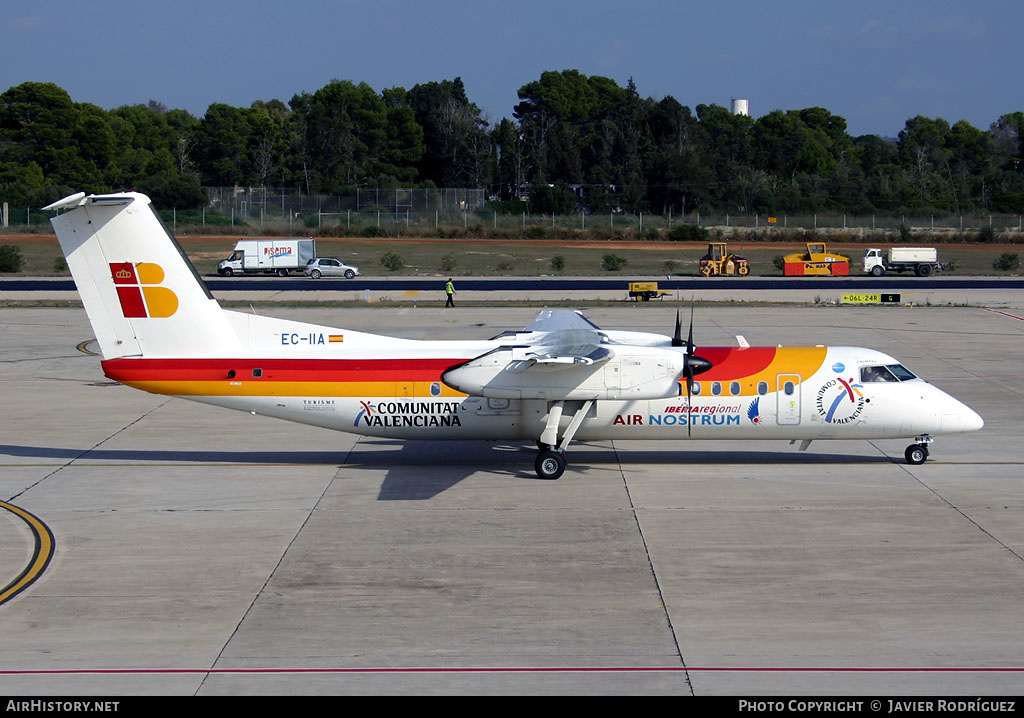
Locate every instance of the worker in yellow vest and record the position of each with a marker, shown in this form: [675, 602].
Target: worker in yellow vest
[449, 289]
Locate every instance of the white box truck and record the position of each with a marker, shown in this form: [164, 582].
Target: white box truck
[922, 261]
[268, 256]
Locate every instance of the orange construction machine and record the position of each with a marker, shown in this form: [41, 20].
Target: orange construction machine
[816, 261]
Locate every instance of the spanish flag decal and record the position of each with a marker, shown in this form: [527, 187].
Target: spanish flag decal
[139, 292]
[336, 338]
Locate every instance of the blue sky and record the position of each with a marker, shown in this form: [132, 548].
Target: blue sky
[874, 63]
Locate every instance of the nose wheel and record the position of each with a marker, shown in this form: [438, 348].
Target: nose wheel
[917, 454]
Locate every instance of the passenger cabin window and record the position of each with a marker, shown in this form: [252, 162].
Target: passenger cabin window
[762, 387]
[734, 388]
[788, 388]
[716, 388]
[695, 389]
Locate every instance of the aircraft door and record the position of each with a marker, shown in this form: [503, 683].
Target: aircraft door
[787, 394]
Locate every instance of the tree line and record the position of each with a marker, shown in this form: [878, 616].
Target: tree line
[574, 142]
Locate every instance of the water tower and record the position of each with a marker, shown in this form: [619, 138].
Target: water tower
[740, 107]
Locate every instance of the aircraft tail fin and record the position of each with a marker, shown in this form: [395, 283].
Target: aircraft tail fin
[142, 295]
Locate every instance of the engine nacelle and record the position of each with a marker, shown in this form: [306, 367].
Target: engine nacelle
[630, 373]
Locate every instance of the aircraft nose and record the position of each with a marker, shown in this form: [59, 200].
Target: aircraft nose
[971, 420]
[957, 417]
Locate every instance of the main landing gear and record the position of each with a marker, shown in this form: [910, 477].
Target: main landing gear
[917, 453]
[550, 462]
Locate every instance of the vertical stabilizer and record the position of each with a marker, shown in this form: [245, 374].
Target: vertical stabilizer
[142, 295]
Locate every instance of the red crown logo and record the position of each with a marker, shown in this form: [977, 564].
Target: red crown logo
[139, 291]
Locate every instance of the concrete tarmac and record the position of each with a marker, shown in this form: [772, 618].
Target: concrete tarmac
[204, 551]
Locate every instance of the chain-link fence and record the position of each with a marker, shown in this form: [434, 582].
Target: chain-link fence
[420, 211]
[260, 206]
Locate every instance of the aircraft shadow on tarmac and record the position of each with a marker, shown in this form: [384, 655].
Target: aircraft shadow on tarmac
[450, 462]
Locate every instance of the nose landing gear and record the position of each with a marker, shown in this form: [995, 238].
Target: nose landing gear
[917, 453]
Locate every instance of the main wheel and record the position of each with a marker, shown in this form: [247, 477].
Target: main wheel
[877, 270]
[916, 454]
[549, 464]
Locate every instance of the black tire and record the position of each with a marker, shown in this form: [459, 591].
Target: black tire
[549, 464]
[349, 274]
[226, 272]
[282, 272]
[315, 274]
[924, 270]
[916, 454]
[877, 270]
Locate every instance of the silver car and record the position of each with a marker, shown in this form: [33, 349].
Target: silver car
[329, 267]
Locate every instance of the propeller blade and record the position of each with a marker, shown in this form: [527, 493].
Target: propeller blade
[677, 336]
[689, 340]
[688, 370]
[688, 378]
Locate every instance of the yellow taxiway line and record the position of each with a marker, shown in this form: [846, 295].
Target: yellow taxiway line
[44, 546]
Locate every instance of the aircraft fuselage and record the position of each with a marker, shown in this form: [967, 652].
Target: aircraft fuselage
[750, 393]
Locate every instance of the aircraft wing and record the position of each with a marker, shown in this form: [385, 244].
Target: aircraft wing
[556, 358]
[553, 320]
[563, 356]
[564, 338]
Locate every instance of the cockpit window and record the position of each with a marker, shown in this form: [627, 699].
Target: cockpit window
[890, 372]
[871, 374]
[901, 372]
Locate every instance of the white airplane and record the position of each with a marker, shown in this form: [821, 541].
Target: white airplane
[561, 378]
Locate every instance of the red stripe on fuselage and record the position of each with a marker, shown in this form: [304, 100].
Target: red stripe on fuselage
[730, 363]
[128, 370]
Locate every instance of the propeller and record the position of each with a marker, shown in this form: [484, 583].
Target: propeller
[691, 364]
[677, 336]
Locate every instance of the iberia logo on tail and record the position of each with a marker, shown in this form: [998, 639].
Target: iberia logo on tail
[139, 292]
